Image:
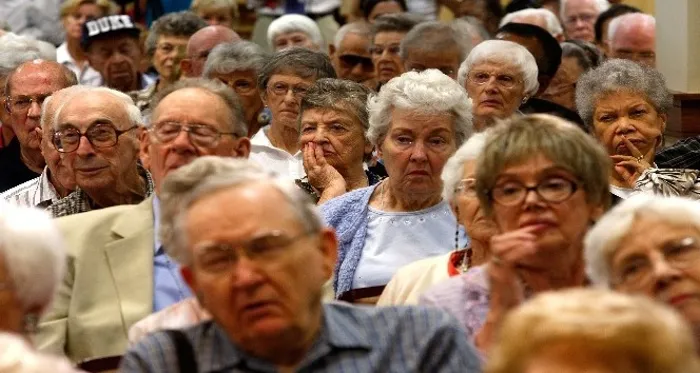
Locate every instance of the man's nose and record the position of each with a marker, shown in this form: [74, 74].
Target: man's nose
[34, 111]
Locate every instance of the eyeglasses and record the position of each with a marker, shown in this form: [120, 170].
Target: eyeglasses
[586, 18]
[554, 190]
[352, 60]
[100, 136]
[466, 187]
[281, 89]
[168, 48]
[638, 271]
[216, 258]
[502, 80]
[241, 86]
[378, 50]
[200, 135]
[22, 103]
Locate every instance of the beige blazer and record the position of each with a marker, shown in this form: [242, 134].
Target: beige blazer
[108, 285]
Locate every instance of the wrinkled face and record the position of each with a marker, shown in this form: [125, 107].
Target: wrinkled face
[385, 55]
[270, 295]
[660, 259]
[99, 168]
[382, 8]
[496, 89]
[636, 44]
[340, 135]
[191, 106]
[217, 16]
[293, 39]
[11, 312]
[283, 97]
[59, 169]
[562, 89]
[352, 60]
[471, 216]
[166, 59]
[574, 358]
[446, 61]
[560, 227]
[117, 59]
[416, 148]
[244, 83]
[579, 19]
[73, 22]
[625, 114]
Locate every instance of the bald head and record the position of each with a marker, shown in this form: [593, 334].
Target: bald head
[199, 46]
[52, 72]
[633, 37]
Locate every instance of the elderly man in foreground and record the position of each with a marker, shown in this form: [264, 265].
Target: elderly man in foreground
[259, 269]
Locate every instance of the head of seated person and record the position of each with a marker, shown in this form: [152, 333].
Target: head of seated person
[200, 45]
[586, 330]
[372, 9]
[167, 42]
[216, 12]
[295, 30]
[238, 65]
[603, 23]
[574, 63]
[74, 14]
[473, 28]
[539, 17]
[387, 33]
[499, 76]
[579, 16]
[32, 263]
[633, 37]
[350, 54]
[434, 45]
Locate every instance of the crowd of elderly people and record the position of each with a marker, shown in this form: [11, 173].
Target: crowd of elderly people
[398, 194]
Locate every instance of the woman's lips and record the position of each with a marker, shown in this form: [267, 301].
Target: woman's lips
[680, 299]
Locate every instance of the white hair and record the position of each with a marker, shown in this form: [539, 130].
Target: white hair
[553, 24]
[46, 121]
[429, 91]
[295, 23]
[453, 171]
[17, 356]
[601, 6]
[603, 239]
[14, 51]
[359, 28]
[45, 50]
[34, 254]
[629, 19]
[504, 52]
[132, 111]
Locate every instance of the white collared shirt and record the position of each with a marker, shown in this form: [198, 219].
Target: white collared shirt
[274, 159]
[86, 75]
[33, 192]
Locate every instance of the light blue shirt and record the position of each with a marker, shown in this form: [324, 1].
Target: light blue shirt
[168, 285]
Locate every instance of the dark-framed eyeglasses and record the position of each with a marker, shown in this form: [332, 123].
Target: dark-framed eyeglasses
[352, 60]
[200, 135]
[100, 136]
[22, 103]
[554, 190]
[281, 89]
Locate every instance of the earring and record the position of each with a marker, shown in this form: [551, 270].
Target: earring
[525, 100]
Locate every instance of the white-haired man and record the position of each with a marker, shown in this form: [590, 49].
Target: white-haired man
[350, 54]
[118, 271]
[259, 270]
[633, 37]
[579, 17]
[543, 18]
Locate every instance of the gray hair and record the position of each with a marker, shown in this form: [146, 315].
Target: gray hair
[237, 119]
[502, 51]
[300, 62]
[395, 22]
[51, 103]
[621, 75]
[132, 111]
[551, 20]
[34, 254]
[435, 36]
[629, 19]
[237, 56]
[15, 51]
[359, 28]
[453, 171]
[472, 27]
[573, 50]
[295, 23]
[428, 91]
[206, 175]
[180, 24]
[601, 5]
[603, 239]
[520, 138]
[338, 94]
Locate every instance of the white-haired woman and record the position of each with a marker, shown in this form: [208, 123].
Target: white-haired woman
[31, 267]
[459, 189]
[295, 30]
[499, 76]
[417, 122]
[650, 245]
[587, 330]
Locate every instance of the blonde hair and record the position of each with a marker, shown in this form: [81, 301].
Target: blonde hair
[633, 328]
[107, 7]
[204, 6]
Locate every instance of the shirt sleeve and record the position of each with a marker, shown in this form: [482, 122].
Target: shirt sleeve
[448, 349]
[153, 354]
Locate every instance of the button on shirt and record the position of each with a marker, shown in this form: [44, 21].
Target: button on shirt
[274, 159]
[168, 285]
[86, 75]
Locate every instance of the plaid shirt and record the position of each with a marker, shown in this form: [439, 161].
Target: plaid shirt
[683, 154]
[38, 192]
[79, 202]
[352, 339]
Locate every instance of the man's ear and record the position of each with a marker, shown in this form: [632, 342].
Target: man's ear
[189, 277]
[144, 148]
[185, 68]
[331, 50]
[329, 250]
[242, 148]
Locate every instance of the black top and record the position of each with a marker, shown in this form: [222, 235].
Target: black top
[683, 154]
[12, 170]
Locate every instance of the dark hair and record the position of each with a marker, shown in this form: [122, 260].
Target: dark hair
[614, 11]
[517, 5]
[366, 6]
[549, 62]
[301, 62]
[397, 22]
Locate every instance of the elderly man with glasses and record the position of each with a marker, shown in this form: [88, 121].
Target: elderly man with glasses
[118, 271]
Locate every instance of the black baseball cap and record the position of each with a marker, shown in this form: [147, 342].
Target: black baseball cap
[108, 26]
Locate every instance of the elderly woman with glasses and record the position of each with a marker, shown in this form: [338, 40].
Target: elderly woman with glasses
[543, 181]
[416, 122]
[283, 81]
[627, 105]
[459, 188]
[650, 245]
[499, 76]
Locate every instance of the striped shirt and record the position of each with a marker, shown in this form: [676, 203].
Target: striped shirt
[35, 192]
[352, 339]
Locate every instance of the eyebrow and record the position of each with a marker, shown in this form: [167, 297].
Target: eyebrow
[96, 121]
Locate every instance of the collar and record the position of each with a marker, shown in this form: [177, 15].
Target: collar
[62, 55]
[158, 246]
[261, 139]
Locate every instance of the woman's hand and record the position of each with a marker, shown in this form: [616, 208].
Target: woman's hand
[322, 176]
[630, 168]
